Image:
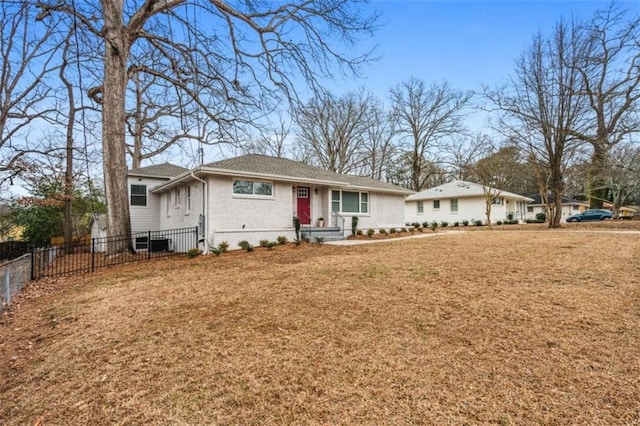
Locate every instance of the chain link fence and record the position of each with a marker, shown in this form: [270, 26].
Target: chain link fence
[15, 275]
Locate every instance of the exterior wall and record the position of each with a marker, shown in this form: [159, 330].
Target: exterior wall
[145, 218]
[385, 211]
[567, 210]
[469, 208]
[234, 218]
[178, 215]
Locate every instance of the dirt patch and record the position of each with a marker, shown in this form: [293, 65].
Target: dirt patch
[482, 327]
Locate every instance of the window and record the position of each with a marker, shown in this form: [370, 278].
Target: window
[420, 206]
[529, 209]
[177, 199]
[349, 202]
[139, 195]
[249, 187]
[497, 201]
[188, 198]
[436, 204]
[454, 205]
[575, 207]
[169, 203]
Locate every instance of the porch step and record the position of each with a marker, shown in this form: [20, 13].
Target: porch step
[326, 233]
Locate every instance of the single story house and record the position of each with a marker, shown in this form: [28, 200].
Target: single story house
[256, 197]
[459, 200]
[623, 212]
[569, 206]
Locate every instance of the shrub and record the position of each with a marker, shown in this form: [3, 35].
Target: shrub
[370, 232]
[426, 224]
[297, 241]
[411, 229]
[456, 224]
[403, 229]
[478, 223]
[465, 223]
[319, 240]
[296, 225]
[499, 223]
[534, 221]
[271, 244]
[264, 243]
[382, 231]
[416, 225]
[244, 245]
[359, 232]
[354, 224]
[215, 251]
[223, 246]
[194, 252]
[434, 225]
[541, 217]
[282, 240]
[392, 230]
[444, 224]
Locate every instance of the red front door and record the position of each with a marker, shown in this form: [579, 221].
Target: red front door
[304, 205]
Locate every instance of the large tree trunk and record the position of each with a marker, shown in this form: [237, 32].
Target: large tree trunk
[597, 185]
[113, 126]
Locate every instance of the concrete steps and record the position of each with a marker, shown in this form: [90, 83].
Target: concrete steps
[327, 233]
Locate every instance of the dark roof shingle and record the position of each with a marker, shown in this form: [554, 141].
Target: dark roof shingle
[164, 170]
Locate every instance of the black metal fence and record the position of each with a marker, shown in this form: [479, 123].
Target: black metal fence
[97, 253]
[13, 249]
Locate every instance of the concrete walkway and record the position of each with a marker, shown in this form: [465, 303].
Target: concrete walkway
[390, 240]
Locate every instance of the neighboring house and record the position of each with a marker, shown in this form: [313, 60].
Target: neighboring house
[459, 200]
[569, 206]
[255, 197]
[623, 212]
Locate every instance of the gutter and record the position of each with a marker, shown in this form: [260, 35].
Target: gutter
[205, 203]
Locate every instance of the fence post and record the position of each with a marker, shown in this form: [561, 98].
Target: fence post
[148, 245]
[7, 286]
[33, 263]
[196, 238]
[93, 255]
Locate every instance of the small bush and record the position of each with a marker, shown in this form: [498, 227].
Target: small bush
[465, 223]
[499, 223]
[478, 223]
[382, 231]
[534, 221]
[194, 252]
[354, 224]
[370, 232]
[541, 217]
[392, 230]
[319, 240]
[223, 246]
[416, 225]
[434, 225]
[244, 245]
[403, 229]
[444, 224]
[216, 251]
[297, 241]
[271, 244]
[426, 225]
[264, 243]
[282, 240]
[359, 232]
[456, 224]
[411, 229]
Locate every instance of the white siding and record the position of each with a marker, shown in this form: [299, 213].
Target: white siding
[145, 218]
[469, 208]
[178, 216]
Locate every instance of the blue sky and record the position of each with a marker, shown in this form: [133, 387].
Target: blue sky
[468, 42]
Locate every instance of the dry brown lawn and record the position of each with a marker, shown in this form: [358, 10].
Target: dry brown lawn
[521, 327]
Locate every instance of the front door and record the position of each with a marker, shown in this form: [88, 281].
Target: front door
[304, 205]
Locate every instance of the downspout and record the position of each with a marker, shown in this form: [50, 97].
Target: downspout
[205, 220]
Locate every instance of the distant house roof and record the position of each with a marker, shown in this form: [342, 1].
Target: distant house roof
[265, 167]
[459, 189]
[537, 200]
[164, 170]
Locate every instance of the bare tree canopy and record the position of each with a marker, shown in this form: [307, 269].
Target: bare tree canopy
[424, 117]
[244, 54]
[28, 52]
[609, 69]
[333, 130]
[541, 105]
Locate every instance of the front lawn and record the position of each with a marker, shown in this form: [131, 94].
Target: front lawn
[521, 327]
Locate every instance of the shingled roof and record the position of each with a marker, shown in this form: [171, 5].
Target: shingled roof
[164, 170]
[289, 170]
[459, 189]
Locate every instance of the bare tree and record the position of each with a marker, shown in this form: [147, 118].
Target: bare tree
[380, 148]
[270, 140]
[425, 116]
[609, 70]
[461, 153]
[541, 105]
[622, 175]
[240, 53]
[27, 58]
[333, 130]
[495, 172]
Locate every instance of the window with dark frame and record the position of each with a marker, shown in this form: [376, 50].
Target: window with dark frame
[139, 195]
